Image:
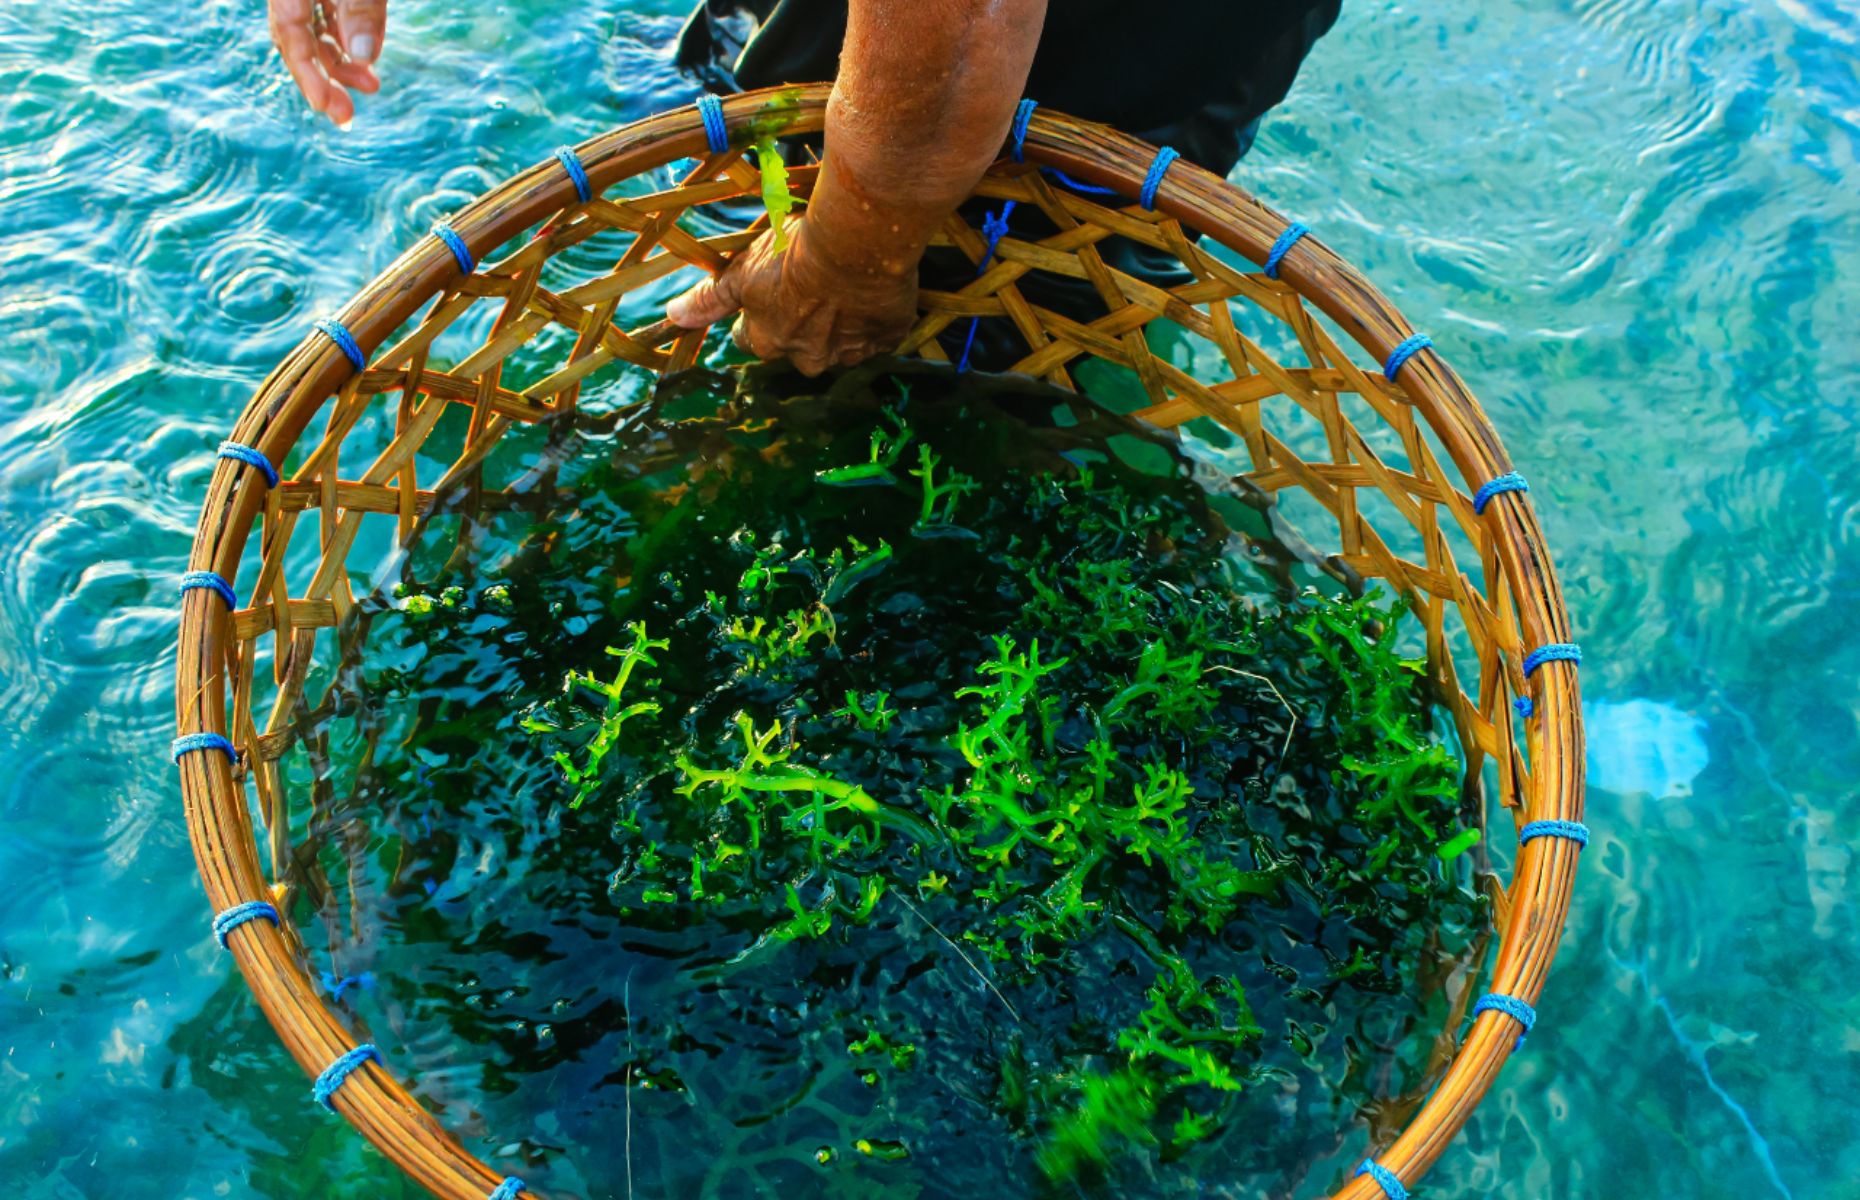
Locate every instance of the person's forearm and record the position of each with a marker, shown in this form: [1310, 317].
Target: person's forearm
[926, 91]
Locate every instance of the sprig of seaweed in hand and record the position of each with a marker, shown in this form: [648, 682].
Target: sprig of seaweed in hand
[777, 196]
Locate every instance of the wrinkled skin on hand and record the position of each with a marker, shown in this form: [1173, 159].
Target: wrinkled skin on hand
[800, 304]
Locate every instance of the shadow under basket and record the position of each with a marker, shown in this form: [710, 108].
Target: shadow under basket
[1247, 325]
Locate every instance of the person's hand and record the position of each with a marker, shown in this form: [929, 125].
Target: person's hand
[800, 304]
[330, 46]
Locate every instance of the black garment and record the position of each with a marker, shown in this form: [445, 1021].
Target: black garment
[1193, 74]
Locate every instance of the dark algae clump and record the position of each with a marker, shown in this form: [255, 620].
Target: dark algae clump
[896, 792]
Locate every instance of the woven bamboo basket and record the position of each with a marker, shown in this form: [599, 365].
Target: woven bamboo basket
[1415, 452]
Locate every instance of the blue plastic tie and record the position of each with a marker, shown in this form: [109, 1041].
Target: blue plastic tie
[1078, 185]
[1018, 130]
[1526, 707]
[1283, 243]
[1575, 831]
[508, 1189]
[456, 244]
[994, 228]
[1385, 1179]
[337, 333]
[1568, 652]
[1407, 349]
[240, 914]
[188, 743]
[195, 580]
[1512, 1007]
[711, 109]
[577, 174]
[336, 1073]
[1510, 481]
[251, 457]
[1153, 180]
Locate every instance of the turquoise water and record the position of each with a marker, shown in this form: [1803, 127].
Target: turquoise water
[1632, 225]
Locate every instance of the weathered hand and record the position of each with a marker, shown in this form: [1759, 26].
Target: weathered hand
[802, 305]
[330, 45]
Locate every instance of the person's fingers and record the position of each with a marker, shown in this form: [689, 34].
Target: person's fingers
[707, 303]
[359, 76]
[339, 107]
[297, 45]
[363, 27]
[740, 334]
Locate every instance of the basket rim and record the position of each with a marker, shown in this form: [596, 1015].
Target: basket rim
[219, 823]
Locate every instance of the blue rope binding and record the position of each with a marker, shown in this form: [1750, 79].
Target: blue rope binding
[1409, 346]
[994, 228]
[251, 457]
[1160, 167]
[1512, 1007]
[1575, 831]
[577, 174]
[1018, 130]
[240, 914]
[460, 252]
[338, 1072]
[1510, 481]
[1078, 185]
[1285, 242]
[1017, 135]
[1554, 652]
[336, 332]
[508, 1189]
[195, 580]
[1568, 652]
[190, 742]
[715, 130]
[1385, 1179]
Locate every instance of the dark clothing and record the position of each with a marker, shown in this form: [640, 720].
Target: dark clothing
[1193, 74]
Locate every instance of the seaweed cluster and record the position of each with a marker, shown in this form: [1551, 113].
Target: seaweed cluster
[1009, 698]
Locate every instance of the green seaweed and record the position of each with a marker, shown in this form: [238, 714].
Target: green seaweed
[902, 1054]
[1059, 748]
[1187, 1027]
[939, 499]
[872, 715]
[586, 776]
[888, 443]
[1112, 1112]
[777, 197]
[774, 118]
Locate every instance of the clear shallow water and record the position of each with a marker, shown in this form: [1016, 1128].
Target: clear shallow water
[1632, 225]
